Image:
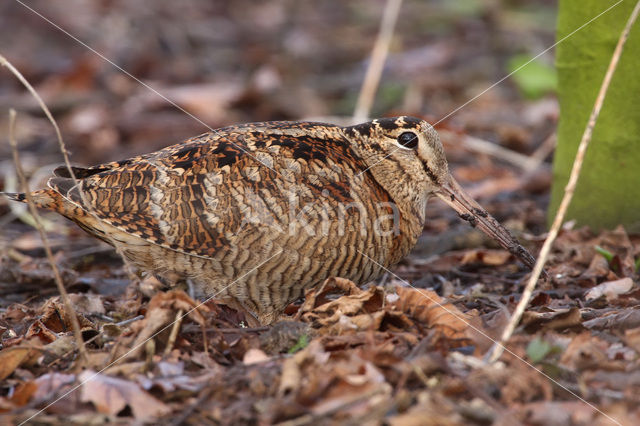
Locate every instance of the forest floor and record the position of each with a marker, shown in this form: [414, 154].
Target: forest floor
[405, 350]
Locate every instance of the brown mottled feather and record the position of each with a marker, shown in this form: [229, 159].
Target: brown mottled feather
[120, 193]
[255, 214]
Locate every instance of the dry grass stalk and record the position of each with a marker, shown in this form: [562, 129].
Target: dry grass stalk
[65, 154]
[498, 348]
[75, 325]
[378, 58]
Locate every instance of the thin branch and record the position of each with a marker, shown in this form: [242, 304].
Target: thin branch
[75, 325]
[497, 349]
[65, 154]
[378, 57]
[482, 146]
[174, 332]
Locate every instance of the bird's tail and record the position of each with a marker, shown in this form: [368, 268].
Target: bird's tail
[43, 198]
[15, 196]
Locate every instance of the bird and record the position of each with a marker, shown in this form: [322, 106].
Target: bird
[255, 214]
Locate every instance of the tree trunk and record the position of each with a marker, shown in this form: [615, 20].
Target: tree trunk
[608, 192]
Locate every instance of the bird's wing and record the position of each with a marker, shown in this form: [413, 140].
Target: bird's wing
[193, 197]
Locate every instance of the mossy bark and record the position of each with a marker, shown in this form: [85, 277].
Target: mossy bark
[608, 191]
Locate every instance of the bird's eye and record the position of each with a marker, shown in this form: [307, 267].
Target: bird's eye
[408, 140]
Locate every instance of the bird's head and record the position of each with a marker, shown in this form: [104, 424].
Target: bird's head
[405, 156]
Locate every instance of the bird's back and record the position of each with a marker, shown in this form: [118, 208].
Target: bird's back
[287, 197]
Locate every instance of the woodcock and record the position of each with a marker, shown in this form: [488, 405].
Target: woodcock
[257, 213]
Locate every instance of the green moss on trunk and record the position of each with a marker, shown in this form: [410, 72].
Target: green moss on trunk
[608, 192]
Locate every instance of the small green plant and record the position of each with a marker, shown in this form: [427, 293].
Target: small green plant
[612, 260]
[538, 349]
[605, 253]
[302, 343]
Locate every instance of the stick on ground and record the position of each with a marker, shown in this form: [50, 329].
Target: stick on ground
[75, 325]
[65, 154]
[498, 348]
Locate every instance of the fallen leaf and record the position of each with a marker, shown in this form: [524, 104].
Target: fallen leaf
[110, 395]
[632, 337]
[291, 377]
[320, 310]
[20, 397]
[56, 318]
[556, 319]
[161, 312]
[254, 356]
[610, 289]
[622, 320]
[88, 303]
[23, 393]
[430, 309]
[50, 383]
[487, 257]
[13, 357]
[585, 352]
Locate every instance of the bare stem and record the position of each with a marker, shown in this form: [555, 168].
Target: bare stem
[75, 325]
[174, 332]
[498, 348]
[85, 203]
[378, 57]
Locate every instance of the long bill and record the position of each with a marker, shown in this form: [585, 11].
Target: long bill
[468, 209]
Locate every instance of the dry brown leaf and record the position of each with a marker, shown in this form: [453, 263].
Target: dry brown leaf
[23, 393]
[110, 395]
[621, 320]
[318, 309]
[50, 383]
[88, 303]
[254, 356]
[632, 337]
[610, 289]
[160, 313]
[15, 356]
[430, 410]
[19, 398]
[177, 299]
[37, 330]
[291, 377]
[556, 319]
[56, 318]
[562, 412]
[487, 257]
[585, 352]
[318, 296]
[210, 101]
[617, 242]
[368, 301]
[429, 308]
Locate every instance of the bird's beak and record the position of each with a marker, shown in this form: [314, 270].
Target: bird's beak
[468, 209]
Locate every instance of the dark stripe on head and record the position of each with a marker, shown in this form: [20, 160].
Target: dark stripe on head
[363, 129]
[388, 123]
[430, 173]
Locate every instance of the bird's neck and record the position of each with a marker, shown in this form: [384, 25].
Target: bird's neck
[409, 197]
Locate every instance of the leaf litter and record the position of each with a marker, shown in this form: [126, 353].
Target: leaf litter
[385, 353]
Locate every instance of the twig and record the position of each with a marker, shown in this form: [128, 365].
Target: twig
[317, 418]
[65, 154]
[498, 348]
[376, 64]
[482, 146]
[185, 413]
[75, 325]
[174, 332]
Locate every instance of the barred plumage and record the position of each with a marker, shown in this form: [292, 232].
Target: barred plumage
[254, 214]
